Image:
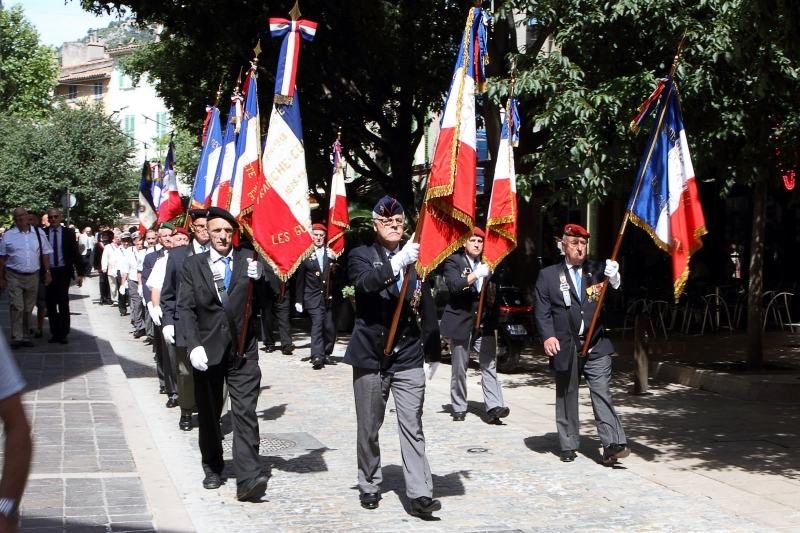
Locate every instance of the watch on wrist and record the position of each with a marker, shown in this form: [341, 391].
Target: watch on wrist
[10, 509]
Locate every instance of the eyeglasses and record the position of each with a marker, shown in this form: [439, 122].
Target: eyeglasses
[386, 222]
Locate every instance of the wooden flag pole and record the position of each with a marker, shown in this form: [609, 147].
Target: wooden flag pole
[401, 298]
[593, 323]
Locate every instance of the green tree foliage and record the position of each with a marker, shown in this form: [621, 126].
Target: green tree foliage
[28, 70]
[76, 149]
[738, 79]
[376, 68]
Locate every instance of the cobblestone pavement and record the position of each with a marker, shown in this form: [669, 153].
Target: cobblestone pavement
[700, 462]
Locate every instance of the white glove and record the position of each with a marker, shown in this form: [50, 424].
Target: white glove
[298, 307]
[482, 270]
[140, 290]
[199, 358]
[123, 289]
[254, 269]
[330, 254]
[430, 369]
[612, 271]
[169, 334]
[406, 256]
[155, 313]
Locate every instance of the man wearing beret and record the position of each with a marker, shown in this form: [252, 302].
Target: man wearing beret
[566, 299]
[211, 299]
[171, 328]
[313, 294]
[465, 274]
[377, 273]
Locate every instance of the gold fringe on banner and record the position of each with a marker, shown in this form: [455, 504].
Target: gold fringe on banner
[283, 99]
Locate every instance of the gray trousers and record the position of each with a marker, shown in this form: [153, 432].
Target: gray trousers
[137, 308]
[323, 331]
[486, 347]
[185, 380]
[371, 390]
[597, 373]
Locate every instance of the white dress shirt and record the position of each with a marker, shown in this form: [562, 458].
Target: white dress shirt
[21, 249]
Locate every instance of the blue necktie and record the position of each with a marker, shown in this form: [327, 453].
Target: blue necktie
[479, 281]
[320, 259]
[399, 281]
[578, 281]
[227, 279]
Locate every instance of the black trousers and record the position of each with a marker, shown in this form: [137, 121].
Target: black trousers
[244, 386]
[57, 301]
[105, 290]
[323, 331]
[276, 310]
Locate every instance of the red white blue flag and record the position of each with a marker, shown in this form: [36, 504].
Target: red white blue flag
[209, 161]
[248, 152]
[291, 31]
[665, 201]
[147, 214]
[501, 220]
[338, 216]
[220, 190]
[449, 209]
[170, 204]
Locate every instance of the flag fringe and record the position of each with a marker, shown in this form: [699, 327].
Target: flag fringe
[495, 221]
[650, 231]
[423, 271]
[452, 212]
[281, 99]
[248, 231]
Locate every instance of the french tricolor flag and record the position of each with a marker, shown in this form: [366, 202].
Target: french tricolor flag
[338, 216]
[170, 205]
[209, 160]
[665, 201]
[248, 152]
[292, 31]
[220, 190]
[449, 209]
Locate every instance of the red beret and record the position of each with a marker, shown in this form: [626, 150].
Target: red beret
[320, 227]
[182, 231]
[575, 230]
[478, 232]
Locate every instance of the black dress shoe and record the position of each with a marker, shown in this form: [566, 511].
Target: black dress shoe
[425, 505]
[287, 350]
[27, 344]
[54, 339]
[369, 500]
[139, 334]
[317, 362]
[63, 340]
[172, 402]
[148, 341]
[328, 360]
[498, 412]
[567, 456]
[269, 348]
[185, 423]
[212, 481]
[459, 416]
[16, 344]
[614, 452]
[123, 313]
[256, 490]
[162, 390]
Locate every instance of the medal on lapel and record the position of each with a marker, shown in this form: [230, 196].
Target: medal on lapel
[593, 292]
[416, 296]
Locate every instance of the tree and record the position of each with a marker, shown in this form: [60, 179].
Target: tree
[738, 79]
[77, 149]
[28, 71]
[376, 68]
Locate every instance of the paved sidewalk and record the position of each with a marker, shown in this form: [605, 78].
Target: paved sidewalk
[107, 448]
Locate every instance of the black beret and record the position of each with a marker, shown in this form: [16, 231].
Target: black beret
[198, 213]
[218, 212]
[388, 206]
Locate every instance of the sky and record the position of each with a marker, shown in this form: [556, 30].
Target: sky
[57, 22]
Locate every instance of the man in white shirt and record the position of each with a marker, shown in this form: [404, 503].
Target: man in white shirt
[22, 251]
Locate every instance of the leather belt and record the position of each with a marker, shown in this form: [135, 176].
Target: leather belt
[23, 273]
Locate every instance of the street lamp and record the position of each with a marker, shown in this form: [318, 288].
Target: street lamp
[117, 111]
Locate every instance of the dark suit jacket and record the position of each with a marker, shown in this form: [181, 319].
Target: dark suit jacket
[311, 284]
[458, 319]
[376, 298]
[551, 312]
[169, 291]
[97, 256]
[68, 249]
[201, 314]
[147, 268]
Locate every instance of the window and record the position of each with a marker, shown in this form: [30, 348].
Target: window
[98, 90]
[162, 123]
[129, 126]
[73, 92]
[125, 81]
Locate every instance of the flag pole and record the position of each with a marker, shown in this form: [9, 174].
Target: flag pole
[625, 220]
[328, 276]
[249, 298]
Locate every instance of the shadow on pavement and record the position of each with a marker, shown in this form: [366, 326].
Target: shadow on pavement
[273, 413]
[443, 486]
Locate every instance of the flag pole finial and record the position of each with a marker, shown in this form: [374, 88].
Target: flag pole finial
[339, 133]
[238, 81]
[678, 54]
[257, 51]
[295, 12]
[219, 91]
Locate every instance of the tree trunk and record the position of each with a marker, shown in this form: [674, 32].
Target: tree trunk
[755, 324]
